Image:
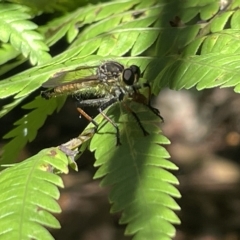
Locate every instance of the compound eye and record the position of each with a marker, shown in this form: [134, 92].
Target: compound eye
[136, 71]
[128, 76]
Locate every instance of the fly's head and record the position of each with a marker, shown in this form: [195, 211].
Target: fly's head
[131, 75]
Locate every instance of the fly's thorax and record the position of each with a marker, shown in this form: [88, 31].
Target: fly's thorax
[110, 70]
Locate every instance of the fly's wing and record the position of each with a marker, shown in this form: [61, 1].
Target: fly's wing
[73, 76]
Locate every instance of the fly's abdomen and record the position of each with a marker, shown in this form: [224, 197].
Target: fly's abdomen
[61, 90]
[70, 89]
[89, 93]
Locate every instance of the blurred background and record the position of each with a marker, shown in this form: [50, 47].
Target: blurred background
[204, 129]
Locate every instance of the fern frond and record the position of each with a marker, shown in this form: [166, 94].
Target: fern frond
[28, 126]
[39, 6]
[138, 171]
[16, 29]
[106, 16]
[217, 35]
[7, 52]
[205, 71]
[8, 107]
[28, 196]
[117, 41]
[7, 67]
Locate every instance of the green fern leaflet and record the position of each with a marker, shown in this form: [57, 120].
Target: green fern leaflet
[138, 171]
[28, 196]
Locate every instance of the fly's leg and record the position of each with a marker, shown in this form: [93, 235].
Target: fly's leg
[89, 102]
[104, 106]
[138, 97]
[145, 133]
[114, 125]
[156, 112]
[90, 119]
[101, 103]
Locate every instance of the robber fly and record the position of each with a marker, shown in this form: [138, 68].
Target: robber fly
[111, 83]
[108, 74]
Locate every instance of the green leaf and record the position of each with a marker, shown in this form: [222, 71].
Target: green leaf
[225, 41]
[8, 107]
[38, 6]
[120, 40]
[7, 52]
[206, 71]
[16, 29]
[11, 65]
[209, 10]
[138, 171]
[27, 127]
[29, 194]
[219, 22]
